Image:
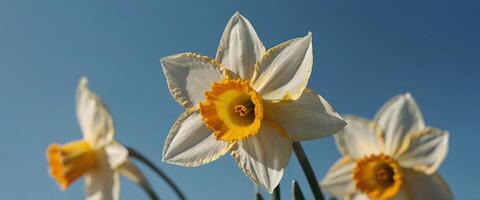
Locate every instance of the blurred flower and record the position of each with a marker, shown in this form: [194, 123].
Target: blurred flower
[97, 156]
[248, 101]
[393, 157]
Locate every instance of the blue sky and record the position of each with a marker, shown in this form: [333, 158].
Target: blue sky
[365, 52]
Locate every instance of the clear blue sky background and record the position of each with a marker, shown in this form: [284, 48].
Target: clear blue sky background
[365, 53]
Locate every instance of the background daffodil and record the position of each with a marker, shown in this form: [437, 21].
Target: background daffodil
[247, 101]
[97, 157]
[395, 156]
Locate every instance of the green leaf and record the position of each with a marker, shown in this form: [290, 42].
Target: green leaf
[307, 170]
[296, 191]
[276, 193]
[258, 196]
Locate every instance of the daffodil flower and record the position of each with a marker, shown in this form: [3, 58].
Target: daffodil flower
[395, 156]
[97, 157]
[248, 101]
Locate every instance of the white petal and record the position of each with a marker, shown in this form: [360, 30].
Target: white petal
[403, 194]
[399, 117]
[309, 117]
[419, 186]
[190, 143]
[131, 171]
[263, 157]
[339, 181]
[359, 196]
[95, 120]
[189, 75]
[425, 150]
[116, 154]
[359, 138]
[283, 71]
[240, 47]
[103, 183]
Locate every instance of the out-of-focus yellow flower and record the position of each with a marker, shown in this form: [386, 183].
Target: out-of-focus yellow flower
[392, 157]
[248, 101]
[97, 157]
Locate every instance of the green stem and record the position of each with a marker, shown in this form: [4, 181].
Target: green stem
[296, 191]
[135, 154]
[307, 170]
[151, 193]
[276, 193]
[258, 196]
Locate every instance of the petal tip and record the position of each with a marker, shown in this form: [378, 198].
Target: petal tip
[236, 17]
[165, 156]
[163, 159]
[164, 62]
[408, 95]
[309, 36]
[83, 81]
[270, 190]
[167, 59]
[168, 159]
[82, 85]
[342, 123]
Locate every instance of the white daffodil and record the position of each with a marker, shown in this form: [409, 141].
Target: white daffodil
[392, 157]
[249, 102]
[97, 156]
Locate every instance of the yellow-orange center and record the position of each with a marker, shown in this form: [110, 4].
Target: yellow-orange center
[70, 161]
[232, 110]
[378, 176]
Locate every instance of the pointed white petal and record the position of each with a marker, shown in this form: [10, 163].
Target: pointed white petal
[190, 143]
[399, 117]
[425, 150]
[422, 186]
[240, 47]
[359, 196]
[103, 183]
[359, 138]
[116, 154]
[283, 71]
[309, 117]
[339, 181]
[403, 194]
[189, 75]
[263, 157]
[95, 120]
[131, 171]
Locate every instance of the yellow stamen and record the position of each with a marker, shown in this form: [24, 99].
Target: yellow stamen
[232, 110]
[243, 110]
[70, 161]
[378, 176]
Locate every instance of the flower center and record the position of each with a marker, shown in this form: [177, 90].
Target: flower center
[244, 110]
[70, 161]
[378, 176]
[232, 110]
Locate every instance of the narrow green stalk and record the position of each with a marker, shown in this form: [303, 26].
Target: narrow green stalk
[308, 171]
[276, 193]
[135, 154]
[151, 193]
[258, 196]
[296, 191]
